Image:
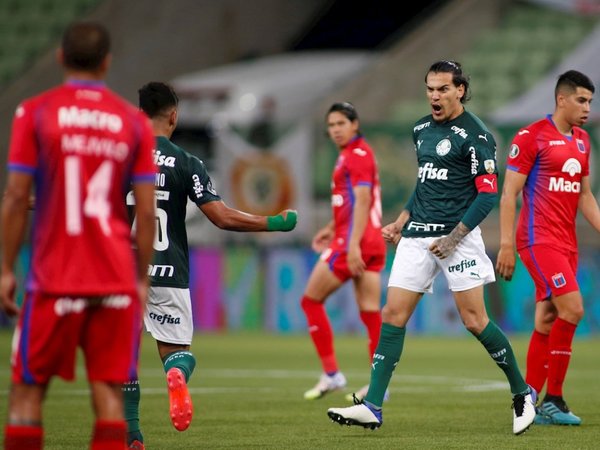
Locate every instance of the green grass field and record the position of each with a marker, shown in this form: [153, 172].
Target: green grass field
[247, 391]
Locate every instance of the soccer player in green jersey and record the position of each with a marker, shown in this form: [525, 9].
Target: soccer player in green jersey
[438, 231]
[168, 316]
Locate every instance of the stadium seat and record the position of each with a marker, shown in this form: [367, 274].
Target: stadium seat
[29, 27]
[529, 41]
[509, 59]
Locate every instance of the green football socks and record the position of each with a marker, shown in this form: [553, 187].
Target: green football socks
[183, 360]
[497, 345]
[385, 358]
[131, 400]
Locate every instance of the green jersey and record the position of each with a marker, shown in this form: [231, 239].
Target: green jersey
[451, 156]
[180, 176]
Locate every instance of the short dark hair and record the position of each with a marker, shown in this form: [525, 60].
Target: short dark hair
[156, 98]
[85, 45]
[458, 76]
[346, 108]
[572, 79]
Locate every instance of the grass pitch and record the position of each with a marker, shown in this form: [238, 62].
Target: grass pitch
[247, 391]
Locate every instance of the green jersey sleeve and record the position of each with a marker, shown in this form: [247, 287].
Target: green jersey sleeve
[199, 186]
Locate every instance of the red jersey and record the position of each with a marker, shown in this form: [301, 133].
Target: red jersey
[554, 165]
[84, 145]
[356, 166]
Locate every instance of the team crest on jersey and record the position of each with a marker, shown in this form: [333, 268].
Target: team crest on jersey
[489, 165]
[210, 188]
[514, 151]
[580, 145]
[443, 147]
[572, 167]
[558, 279]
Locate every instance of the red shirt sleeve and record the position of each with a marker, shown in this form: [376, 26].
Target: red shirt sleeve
[23, 151]
[360, 166]
[523, 152]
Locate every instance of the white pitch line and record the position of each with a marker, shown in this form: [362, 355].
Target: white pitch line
[401, 383]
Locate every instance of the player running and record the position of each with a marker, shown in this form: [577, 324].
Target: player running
[169, 311]
[351, 246]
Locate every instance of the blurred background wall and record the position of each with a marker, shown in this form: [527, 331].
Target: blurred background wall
[255, 80]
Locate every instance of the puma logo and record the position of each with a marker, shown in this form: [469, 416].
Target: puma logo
[490, 182]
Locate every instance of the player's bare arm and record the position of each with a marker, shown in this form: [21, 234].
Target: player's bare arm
[360, 217]
[14, 220]
[231, 219]
[588, 204]
[323, 237]
[506, 260]
[444, 246]
[31, 204]
[393, 231]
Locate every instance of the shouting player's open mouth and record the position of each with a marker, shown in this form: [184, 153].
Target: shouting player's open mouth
[436, 109]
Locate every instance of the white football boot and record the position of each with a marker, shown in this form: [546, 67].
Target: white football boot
[325, 385]
[359, 415]
[524, 410]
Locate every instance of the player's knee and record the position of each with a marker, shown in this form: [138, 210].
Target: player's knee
[580, 313]
[309, 303]
[475, 325]
[574, 314]
[393, 315]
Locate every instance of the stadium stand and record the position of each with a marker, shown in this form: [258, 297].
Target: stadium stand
[162, 41]
[510, 58]
[396, 80]
[28, 27]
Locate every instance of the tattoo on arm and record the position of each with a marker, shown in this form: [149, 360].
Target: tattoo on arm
[459, 232]
[443, 247]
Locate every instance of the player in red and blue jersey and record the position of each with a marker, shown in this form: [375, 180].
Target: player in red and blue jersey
[351, 246]
[82, 146]
[549, 163]
[356, 167]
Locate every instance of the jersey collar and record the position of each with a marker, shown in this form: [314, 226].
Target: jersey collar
[549, 117]
[89, 84]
